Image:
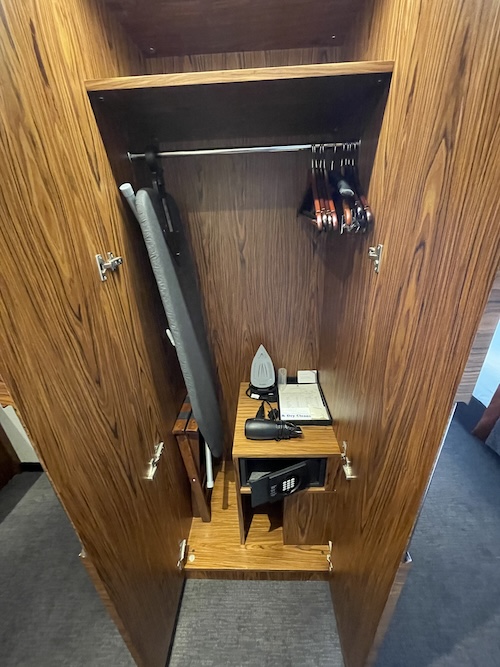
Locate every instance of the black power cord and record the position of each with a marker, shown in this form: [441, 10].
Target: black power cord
[269, 394]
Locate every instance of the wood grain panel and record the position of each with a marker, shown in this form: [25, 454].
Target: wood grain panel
[402, 338]
[316, 441]
[487, 326]
[240, 212]
[241, 275]
[215, 550]
[5, 397]
[260, 575]
[309, 518]
[109, 606]
[199, 503]
[84, 360]
[170, 27]
[231, 242]
[390, 607]
[242, 60]
[252, 109]
[249, 74]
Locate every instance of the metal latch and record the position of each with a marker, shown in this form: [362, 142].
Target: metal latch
[346, 463]
[111, 264]
[182, 554]
[153, 463]
[375, 254]
[329, 556]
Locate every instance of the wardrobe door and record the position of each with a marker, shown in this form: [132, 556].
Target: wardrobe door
[394, 344]
[83, 358]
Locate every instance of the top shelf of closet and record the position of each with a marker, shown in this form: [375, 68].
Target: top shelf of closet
[331, 101]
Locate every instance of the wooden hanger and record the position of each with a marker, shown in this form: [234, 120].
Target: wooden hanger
[332, 214]
[318, 205]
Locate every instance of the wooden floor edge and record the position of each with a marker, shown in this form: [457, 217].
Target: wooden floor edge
[259, 575]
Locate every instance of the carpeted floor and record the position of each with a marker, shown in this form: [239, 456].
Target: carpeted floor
[258, 623]
[50, 614]
[448, 614]
[449, 611]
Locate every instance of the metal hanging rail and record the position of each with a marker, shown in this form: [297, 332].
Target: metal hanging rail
[346, 146]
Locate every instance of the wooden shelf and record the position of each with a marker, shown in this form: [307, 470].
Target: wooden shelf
[324, 102]
[317, 441]
[239, 75]
[246, 490]
[217, 550]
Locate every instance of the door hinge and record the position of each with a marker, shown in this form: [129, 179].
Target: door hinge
[111, 264]
[346, 463]
[153, 463]
[375, 254]
[183, 549]
[329, 556]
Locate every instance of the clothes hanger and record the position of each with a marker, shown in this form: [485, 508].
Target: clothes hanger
[315, 191]
[345, 191]
[358, 212]
[325, 218]
[332, 177]
[331, 212]
[351, 197]
[310, 206]
[370, 219]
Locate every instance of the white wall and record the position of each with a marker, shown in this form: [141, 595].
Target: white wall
[17, 435]
[489, 377]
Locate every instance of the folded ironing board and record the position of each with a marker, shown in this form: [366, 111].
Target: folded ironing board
[176, 278]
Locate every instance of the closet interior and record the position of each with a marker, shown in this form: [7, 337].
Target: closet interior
[239, 149]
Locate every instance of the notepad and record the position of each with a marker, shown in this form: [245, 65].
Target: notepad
[303, 403]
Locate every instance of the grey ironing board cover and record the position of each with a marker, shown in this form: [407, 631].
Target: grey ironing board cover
[181, 299]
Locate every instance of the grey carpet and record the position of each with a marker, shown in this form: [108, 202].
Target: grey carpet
[449, 611]
[468, 414]
[256, 624]
[50, 614]
[11, 494]
[448, 614]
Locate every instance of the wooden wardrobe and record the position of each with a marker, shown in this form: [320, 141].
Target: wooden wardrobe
[88, 363]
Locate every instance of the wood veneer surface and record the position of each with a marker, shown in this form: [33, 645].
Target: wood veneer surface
[83, 359]
[5, 397]
[243, 59]
[247, 74]
[402, 337]
[170, 27]
[186, 109]
[317, 441]
[309, 518]
[240, 212]
[216, 545]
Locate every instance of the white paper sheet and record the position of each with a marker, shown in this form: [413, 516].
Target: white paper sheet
[301, 402]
